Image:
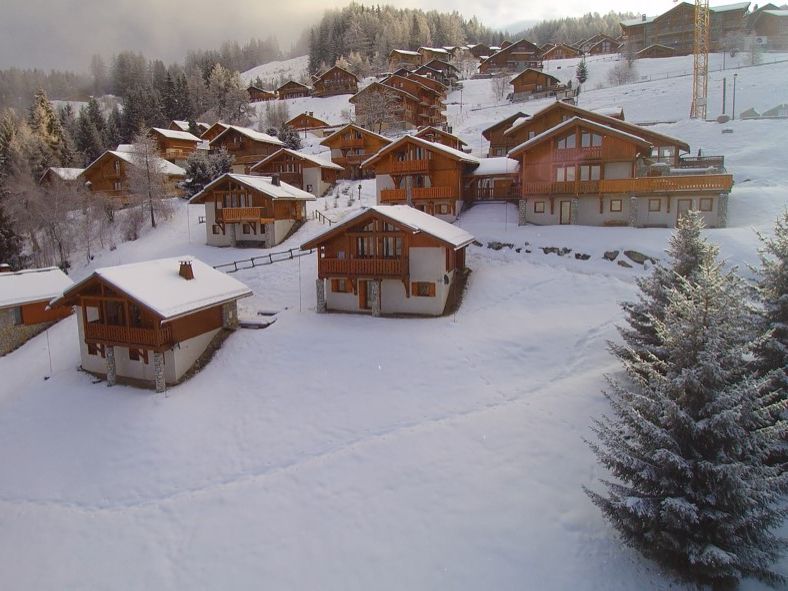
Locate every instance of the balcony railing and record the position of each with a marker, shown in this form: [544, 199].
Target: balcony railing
[393, 195]
[659, 184]
[241, 214]
[433, 193]
[574, 154]
[353, 142]
[125, 335]
[483, 193]
[701, 162]
[405, 166]
[561, 187]
[373, 267]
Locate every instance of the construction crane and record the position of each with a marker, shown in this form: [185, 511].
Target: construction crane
[700, 61]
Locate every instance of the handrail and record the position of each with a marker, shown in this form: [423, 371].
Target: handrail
[263, 260]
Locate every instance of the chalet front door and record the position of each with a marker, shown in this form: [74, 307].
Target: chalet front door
[682, 207]
[364, 302]
[565, 212]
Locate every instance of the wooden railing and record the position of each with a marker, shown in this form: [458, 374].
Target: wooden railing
[240, 214]
[124, 335]
[701, 162]
[561, 187]
[482, 193]
[433, 192]
[354, 142]
[393, 195]
[410, 166]
[376, 267]
[573, 154]
[659, 184]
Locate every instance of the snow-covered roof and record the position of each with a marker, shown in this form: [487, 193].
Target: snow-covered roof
[459, 154]
[158, 286]
[184, 125]
[649, 19]
[176, 135]
[252, 134]
[638, 21]
[434, 49]
[411, 219]
[321, 162]
[354, 126]
[496, 165]
[124, 148]
[405, 52]
[727, 7]
[776, 12]
[66, 174]
[32, 285]
[571, 122]
[264, 184]
[165, 166]
[609, 111]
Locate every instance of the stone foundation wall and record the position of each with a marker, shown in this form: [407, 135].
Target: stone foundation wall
[13, 336]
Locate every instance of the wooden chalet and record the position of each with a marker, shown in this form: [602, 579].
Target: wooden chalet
[584, 172]
[311, 173]
[675, 28]
[433, 53]
[182, 125]
[478, 50]
[655, 51]
[213, 131]
[56, 175]
[386, 108]
[513, 58]
[350, 146]
[24, 303]
[495, 179]
[426, 175]
[389, 259]
[403, 58]
[500, 144]
[439, 136]
[532, 83]
[175, 146]
[151, 322]
[601, 44]
[108, 175]
[431, 83]
[769, 24]
[306, 122]
[561, 51]
[335, 81]
[260, 95]
[428, 108]
[246, 145]
[292, 89]
[439, 70]
[250, 210]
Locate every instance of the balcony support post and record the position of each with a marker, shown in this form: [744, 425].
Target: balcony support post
[573, 211]
[722, 211]
[522, 209]
[158, 371]
[112, 372]
[374, 295]
[634, 211]
[320, 291]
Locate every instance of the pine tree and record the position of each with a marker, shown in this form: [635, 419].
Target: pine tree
[88, 139]
[45, 126]
[687, 252]
[581, 73]
[289, 137]
[112, 135]
[685, 443]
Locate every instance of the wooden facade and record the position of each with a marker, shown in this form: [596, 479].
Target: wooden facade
[175, 146]
[655, 51]
[335, 81]
[352, 145]
[247, 146]
[108, 175]
[182, 125]
[439, 70]
[259, 95]
[602, 45]
[771, 26]
[423, 174]
[213, 131]
[412, 269]
[674, 28]
[251, 210]
[534, 82]
[307, 172]
[500, 144]
[292, 89]
[306, 122]
[513, 58]
[439, 136]
[561, 51]
[433, 53]
[402, 58]
[55, 175]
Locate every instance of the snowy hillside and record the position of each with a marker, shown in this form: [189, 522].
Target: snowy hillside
[294, 68]
[344, 452]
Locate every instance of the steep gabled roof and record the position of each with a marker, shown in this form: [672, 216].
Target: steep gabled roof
[165, 166]
[383, 88]
[430, 129]
[338, 68]
[32, 285]
[291, 83]
[263, 184]
[405, 52]
[407, 218]
[537, 72]
[175, 135]
[219, 124]
[311, 158]
[545, 135]
[510, 49]
[503, 122]
[64, 174]
[446, 150]
[327, 140]
[157, 286]
[252, 134]
[320, 121]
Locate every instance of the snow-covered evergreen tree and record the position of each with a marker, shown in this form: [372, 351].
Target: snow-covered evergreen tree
[289, 137]
[202, 167]
[685, 445]
[687, 251]
[581, 72]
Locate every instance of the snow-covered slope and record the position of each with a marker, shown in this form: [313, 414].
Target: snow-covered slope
[293, 68]
[346, 452]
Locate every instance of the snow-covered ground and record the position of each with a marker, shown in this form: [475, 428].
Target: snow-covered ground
[347, 452]
[293, 68]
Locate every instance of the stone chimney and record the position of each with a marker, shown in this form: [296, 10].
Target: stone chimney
[186, 270]
[275, 180]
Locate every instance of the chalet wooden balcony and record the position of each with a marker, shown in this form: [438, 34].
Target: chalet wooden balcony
[108, 334]
[371, 267]
[669, 184]
[353, 142]
[242, 214]
[493, 193]
[561, 188]
[575, 154]
[433, 193]
[702, 162]
[393, 195]
[410, 166]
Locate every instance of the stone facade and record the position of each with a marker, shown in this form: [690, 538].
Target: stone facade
[158, 371]
[633, 211]
[14, 335]
[320, 290]
[374, 295]
[112, 371]
[230, 315]
[722, 211]
[522, 208]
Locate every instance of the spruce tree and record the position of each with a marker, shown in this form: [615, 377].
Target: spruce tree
[581, 73]
[88, 139]
[289, 137]
[686, 446]
[687, 251]
[203, 167]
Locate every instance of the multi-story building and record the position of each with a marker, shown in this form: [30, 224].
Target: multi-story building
[512, 58]
[311, 173]
[259, 95]
[350, 146]
[175, 146]
[292, 89]
[247, 146]
[335, 81]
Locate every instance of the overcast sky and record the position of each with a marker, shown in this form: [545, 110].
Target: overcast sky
[65, 33]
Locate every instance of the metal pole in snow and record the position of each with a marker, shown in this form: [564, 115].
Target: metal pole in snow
[299, 284]
[724, 91]
[188, 225]
[49, 353]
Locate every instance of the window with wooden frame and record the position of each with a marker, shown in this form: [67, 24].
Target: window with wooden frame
[216, 229]
[706, 204]
[654, 205]
[423, 289]
[117, 186]
[340, 285]
[365, 247]
[564, 174]
[590, 172]
[92, 349]
[567, 142]
[246, 229]
[16, 315]
[392, 247]
[538, 206]
[138, 355]
[442, 208]
[616, 205]
[589, 139]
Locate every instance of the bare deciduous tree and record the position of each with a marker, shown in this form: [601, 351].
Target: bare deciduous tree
[146, 178]
[500, 86]
[379, 109]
